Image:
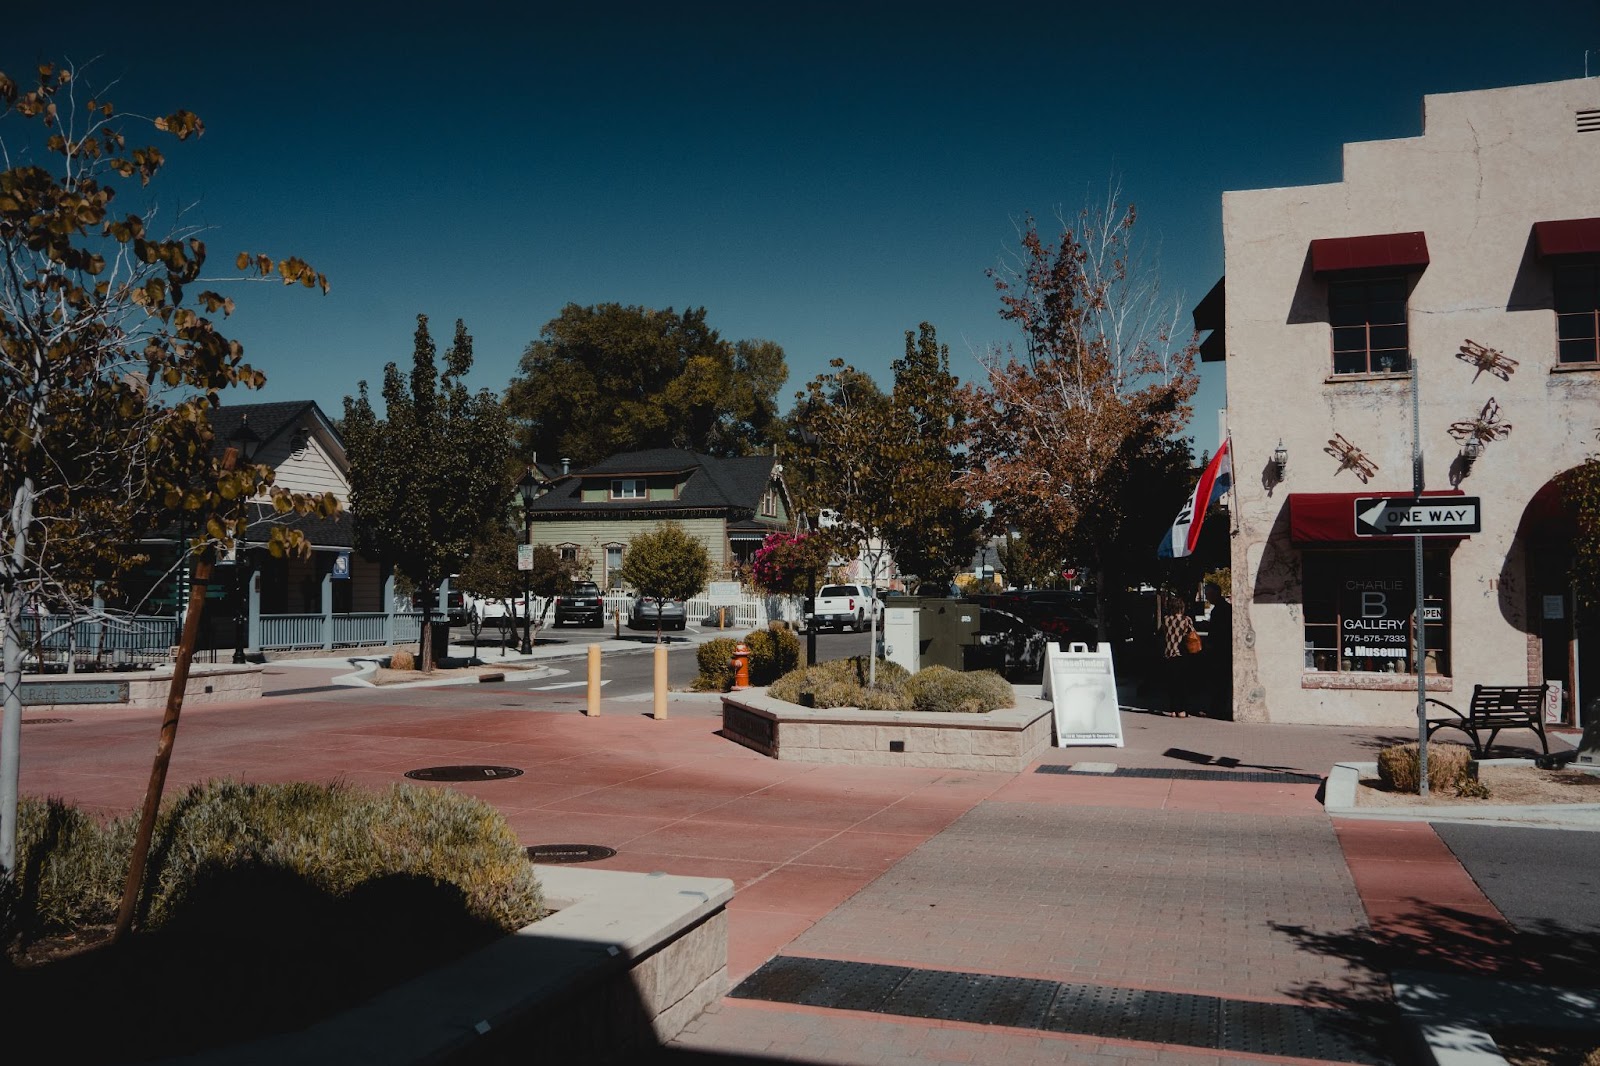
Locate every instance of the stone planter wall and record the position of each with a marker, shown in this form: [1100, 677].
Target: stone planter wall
[208, 683]
[624, 964]
[1006, 740]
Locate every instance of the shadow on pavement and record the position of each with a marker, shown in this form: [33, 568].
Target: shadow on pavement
[1432, 939]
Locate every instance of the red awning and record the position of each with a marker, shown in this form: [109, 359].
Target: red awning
[1379, 251]
[1570, 236]
[1330, 517]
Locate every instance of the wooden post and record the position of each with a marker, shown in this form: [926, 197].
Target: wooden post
[169, 732]
[592, 709]
[660, 705]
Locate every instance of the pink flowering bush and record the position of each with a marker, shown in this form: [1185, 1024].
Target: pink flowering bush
[784, 560]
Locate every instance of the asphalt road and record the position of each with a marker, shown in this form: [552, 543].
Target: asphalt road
[630, 674]
[1542, 880]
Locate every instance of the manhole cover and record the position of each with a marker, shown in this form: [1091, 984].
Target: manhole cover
[44, 721]
[559, 853]
[463, 773]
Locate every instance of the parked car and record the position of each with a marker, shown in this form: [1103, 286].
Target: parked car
[452, 603]
[584, 605]
[842, 607]
[484, 609]
[646, 613]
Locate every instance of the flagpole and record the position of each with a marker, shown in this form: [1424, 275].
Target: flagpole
[1419, 623]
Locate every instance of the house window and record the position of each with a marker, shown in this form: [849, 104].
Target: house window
[628, 488]
[1359, 607]
[613, 566]
[1368, 316]
[567, 552]
[1577, 292]
[769, 504]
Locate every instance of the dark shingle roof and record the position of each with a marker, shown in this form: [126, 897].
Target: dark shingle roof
[712, 484]
[267, 420]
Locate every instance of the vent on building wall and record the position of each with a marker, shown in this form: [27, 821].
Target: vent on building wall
[1588, 121]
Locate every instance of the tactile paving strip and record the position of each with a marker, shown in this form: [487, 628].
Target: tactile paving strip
[1275, 1029]
[1190, 775]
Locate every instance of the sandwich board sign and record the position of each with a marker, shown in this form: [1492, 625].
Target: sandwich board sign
[1082, 687]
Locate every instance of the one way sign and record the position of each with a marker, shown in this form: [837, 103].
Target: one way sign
[1408, 516]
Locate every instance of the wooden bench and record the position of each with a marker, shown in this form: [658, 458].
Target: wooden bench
[1493, 708]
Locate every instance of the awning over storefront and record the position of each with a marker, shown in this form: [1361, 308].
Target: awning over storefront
[1568, 236]
[1329, 517]
[1378, 251]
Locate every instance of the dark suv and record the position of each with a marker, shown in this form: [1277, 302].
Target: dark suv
[583, 605]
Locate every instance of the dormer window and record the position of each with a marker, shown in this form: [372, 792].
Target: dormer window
[627, 488]
[769, 503]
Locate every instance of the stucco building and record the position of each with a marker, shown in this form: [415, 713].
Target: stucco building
[1473, 250]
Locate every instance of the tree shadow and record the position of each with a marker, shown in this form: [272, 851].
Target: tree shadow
[1425, 947]
[250, 950]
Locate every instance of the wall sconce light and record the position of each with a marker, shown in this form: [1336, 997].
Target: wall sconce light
[1280, 458]
[1470, 450]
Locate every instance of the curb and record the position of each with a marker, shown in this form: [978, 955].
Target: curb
[1339, 801]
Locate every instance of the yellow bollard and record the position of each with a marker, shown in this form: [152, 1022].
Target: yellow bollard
[661, 683]
[593, 708]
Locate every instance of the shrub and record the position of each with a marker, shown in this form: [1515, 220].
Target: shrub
[336, 838]
[939, 688]
[715, 658]
[774, 651]
[843, 683]
[69, 872]
[402, 660]
[1449, 767]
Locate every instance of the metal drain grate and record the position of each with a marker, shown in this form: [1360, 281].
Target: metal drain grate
[44, 721]
[1244, 776]
[555, 854]
[1275, 1029]
[463, 773]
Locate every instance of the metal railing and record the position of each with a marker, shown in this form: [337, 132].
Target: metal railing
[282, 631]
[357, 629]
[100, 640]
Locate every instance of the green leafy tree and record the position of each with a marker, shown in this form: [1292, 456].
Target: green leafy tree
[847, 429]
[491, 572]
[111, 358]
[1025, 565]
[434, 472]
[931, 528]
[609, 378]
[666, 564]
[1580, 488]
[1068, 433]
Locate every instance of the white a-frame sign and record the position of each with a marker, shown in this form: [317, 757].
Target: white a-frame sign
[1082, 686]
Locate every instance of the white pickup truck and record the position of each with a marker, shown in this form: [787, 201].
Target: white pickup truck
[842, 607]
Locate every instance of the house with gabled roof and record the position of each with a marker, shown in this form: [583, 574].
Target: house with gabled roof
[730, 505]
[334, 597]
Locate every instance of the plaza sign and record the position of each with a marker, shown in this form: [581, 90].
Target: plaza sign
[1428, 516]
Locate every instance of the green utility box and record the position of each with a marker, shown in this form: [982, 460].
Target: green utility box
[946, 629]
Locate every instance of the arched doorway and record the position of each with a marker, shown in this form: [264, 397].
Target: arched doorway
[1564, 639]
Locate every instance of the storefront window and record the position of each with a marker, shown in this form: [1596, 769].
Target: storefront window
[1359, 606]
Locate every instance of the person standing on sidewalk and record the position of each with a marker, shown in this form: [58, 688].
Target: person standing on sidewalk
[1179, 640]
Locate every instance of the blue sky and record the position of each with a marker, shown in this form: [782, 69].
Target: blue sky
[824, 176]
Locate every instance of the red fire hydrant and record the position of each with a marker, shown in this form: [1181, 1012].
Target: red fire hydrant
[741, 665]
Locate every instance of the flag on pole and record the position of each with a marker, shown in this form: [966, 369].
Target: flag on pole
[1185, 532]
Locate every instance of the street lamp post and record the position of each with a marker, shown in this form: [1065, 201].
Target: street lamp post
[245, 440]
[528, 489]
